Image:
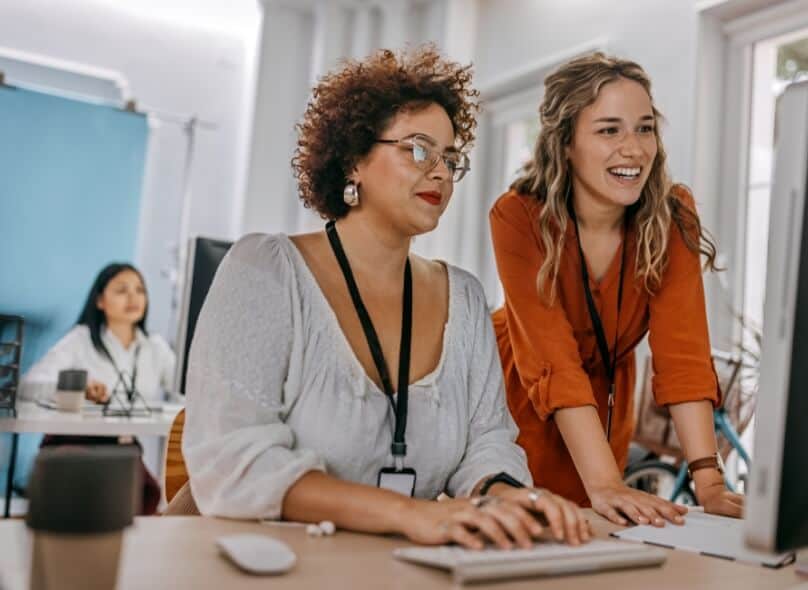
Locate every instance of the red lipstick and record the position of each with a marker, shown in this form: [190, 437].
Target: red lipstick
[431, 197]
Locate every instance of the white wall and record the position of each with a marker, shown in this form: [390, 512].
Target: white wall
[175, 61]
[301, 40]
[659, 34]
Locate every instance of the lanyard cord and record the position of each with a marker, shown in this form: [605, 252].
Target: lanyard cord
[130, 390]
[597, 324]
[399, 446]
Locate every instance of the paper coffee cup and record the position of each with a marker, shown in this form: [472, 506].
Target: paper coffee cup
[80, 501]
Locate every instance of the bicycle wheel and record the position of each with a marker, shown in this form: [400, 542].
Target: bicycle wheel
[658, 478]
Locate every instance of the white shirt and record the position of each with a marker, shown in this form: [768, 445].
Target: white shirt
[155, 363]
[274, 391]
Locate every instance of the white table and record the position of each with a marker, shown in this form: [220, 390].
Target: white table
[34, 418]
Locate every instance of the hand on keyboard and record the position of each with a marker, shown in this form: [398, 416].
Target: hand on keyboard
[505, 520]
[566, 520]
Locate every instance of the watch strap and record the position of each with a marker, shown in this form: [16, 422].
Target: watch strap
[711, 462]
[501, 477]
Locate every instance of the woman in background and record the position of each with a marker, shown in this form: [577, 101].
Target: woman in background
[595, 248]
[111, 343]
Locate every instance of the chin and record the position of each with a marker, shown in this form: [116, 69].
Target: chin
[423, 223]
[620, 195]
[629, 199]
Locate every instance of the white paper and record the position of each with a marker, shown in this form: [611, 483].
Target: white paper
[708, 534]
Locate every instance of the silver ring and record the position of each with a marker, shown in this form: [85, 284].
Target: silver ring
[535, 494]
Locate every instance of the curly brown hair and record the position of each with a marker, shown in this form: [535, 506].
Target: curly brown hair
[351, 107]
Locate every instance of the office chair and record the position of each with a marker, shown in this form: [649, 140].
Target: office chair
[175, 474]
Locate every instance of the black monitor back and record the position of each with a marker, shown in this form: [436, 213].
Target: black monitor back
[204, 257]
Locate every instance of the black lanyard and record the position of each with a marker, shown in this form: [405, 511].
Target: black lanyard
[597, 324]
[399, 446]
[130, 389]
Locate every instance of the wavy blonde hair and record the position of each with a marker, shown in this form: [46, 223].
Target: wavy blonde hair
[568, 90]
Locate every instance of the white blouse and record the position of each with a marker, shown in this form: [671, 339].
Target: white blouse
[274, 391]
[155, 363]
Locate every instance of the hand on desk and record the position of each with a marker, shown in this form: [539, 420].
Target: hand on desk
[506, 518]
[96, 392]
[717, 499]
[612, 500]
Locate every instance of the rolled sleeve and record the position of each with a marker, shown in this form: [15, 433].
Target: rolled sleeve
[545, 350]
[564, 389]
[678, 331]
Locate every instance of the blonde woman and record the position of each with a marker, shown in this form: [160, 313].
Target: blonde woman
[595, 248]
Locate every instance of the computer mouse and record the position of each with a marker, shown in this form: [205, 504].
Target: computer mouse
[257, 554]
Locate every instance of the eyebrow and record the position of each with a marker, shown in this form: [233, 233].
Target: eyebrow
[619, 120]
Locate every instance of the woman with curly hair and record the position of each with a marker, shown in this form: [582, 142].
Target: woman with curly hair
[306, 399]
[595, 248]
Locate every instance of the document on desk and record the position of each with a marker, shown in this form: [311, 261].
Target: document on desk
[708, 534]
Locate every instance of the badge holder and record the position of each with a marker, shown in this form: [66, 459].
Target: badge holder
[397, 480]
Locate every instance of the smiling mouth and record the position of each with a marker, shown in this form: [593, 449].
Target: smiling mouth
[626, 172]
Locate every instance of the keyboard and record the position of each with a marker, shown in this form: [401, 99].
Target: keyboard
[543, 559]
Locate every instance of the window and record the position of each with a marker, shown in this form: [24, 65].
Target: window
[520, 139]
[777, 62]
[763, 52]
[511, 126]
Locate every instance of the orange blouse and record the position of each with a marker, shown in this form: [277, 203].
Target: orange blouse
[550, 356]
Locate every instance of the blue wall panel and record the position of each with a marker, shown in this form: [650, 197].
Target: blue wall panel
[70, 183]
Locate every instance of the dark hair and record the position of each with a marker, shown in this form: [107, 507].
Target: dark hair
[350, 107]
[94, 318]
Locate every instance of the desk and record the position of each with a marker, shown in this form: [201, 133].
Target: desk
[34, 418]
[179, 552]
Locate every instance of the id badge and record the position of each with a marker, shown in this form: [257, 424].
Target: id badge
[397, 480]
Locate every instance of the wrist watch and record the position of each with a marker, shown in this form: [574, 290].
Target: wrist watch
[501, 477]
[714, 461]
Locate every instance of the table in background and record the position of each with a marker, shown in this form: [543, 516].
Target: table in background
[34, 418]
[179, 552]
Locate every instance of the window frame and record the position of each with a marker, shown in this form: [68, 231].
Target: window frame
[728, 33]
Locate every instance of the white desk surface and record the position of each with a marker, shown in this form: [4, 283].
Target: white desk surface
[34, 418]
[179, 552]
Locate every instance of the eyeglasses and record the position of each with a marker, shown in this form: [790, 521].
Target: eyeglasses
[426, 156]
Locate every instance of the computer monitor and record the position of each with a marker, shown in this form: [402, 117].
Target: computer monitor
[777, 497]
[204, 257]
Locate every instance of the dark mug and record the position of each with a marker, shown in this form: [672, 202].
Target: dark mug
[70, 388]
[80, 501]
